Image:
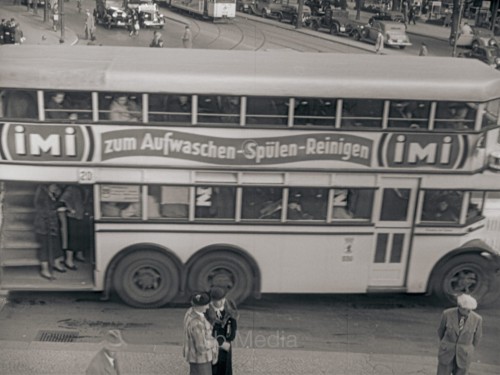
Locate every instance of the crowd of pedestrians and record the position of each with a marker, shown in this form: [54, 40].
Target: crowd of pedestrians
[10, 32]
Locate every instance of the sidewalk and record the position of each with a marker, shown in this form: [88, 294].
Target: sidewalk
[26, 358]
[34, 29]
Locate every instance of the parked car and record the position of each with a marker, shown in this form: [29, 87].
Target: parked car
[333, 21]
[282, 10]
[245, 6]
[394, 33]
[488, 54]
[474, 37]
[387, 16]
[111, 13]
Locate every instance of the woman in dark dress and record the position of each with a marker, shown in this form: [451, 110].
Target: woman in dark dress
[222, 315]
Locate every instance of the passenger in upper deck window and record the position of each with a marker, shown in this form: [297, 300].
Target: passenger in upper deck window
[120, 109]
[57, 108]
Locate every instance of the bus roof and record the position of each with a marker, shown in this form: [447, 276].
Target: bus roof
[274, 73]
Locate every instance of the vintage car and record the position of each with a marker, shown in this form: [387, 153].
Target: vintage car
[394, 33]
[149, 14]
[111, 13]
[282, 10]
[474, 37]
[487, 54]
[245, 6]
[387, 16]
[334, 21]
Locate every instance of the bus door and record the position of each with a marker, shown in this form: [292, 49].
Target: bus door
[394, 214]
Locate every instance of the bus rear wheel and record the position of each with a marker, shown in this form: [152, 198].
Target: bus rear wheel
[462, 274]
[146, 279]
[223, 269]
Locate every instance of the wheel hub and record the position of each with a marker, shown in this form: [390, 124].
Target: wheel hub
[464, 281]
[147, 278]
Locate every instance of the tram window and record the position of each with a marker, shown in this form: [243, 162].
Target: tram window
[170, 108]
[18, 104]
[395, 204]
[267, 110]
[310, 111]
[121, 107]
[352, 204]
[491, 114]
[442, 206]
[120, 201]
[218, 109]
[67, 105]
[261, 203]
[362, 113]
[455, 115]
[307, 204]
[215, 202]
[409, 114]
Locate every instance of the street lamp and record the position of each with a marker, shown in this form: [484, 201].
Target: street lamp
[61, 20]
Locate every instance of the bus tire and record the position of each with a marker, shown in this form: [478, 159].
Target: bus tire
[222, 269]
[462, 274]
[146, 279]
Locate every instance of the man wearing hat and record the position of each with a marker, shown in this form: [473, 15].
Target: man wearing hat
[459, 333]
[105, 361]
[200, 348]
[223, 316]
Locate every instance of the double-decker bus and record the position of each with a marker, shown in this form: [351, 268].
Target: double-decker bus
[262, 172]
[216, 10]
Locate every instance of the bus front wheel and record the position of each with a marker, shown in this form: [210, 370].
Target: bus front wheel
[227, 270]
[462, 274]
[146, 279]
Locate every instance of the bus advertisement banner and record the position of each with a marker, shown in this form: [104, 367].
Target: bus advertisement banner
[170, 147]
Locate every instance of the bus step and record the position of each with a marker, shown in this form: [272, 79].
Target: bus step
[20, 262]
[7, 245]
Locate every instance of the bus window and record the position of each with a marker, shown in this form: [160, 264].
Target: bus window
[121, 107]
[65, 105]
[309, 111]
[18, 104]
[491, 114]
[352, 204]
[265, 110]
[475, 206]
[307, 204]
[170, 202]
[395, 204]
[123, 201]
[219, 109]
[362, 113]
[442, 206]
[262, 203]
[455, 115]
[215, 202]
[409, 114]
[170, 108]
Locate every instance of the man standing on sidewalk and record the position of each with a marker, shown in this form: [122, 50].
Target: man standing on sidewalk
[459, 333]
[200, 347]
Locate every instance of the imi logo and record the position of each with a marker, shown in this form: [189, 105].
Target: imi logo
[445, 151]
[28, 142]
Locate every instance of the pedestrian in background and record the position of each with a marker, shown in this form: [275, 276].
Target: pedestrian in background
[379, 44]
[200, 349]
[89, 25]
[460, 332]
[105, 362]
[157, 41]
[223, 316]
[423, 50]
[187, 37]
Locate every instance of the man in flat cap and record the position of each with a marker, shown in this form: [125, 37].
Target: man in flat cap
[105, 361]
[459, 333]
[200, 347]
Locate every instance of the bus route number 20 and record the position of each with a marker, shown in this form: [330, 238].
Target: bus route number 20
[86, 176]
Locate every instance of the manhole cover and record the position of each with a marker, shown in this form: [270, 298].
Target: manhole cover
[57, 336]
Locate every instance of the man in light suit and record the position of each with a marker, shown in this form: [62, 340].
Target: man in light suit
[105, 361]
[459, 333]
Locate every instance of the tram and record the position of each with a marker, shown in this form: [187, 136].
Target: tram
[216, 10]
